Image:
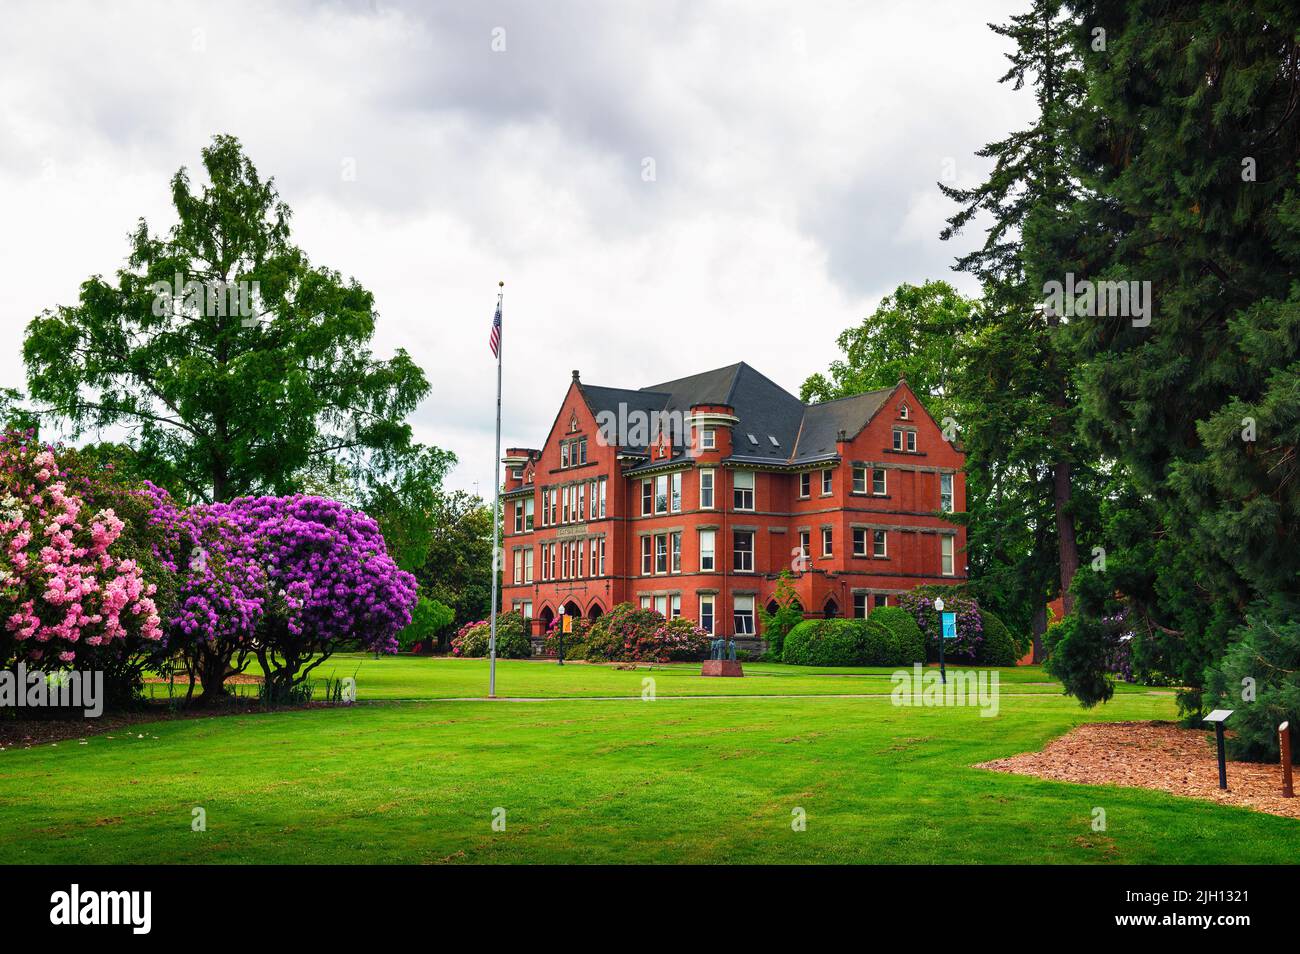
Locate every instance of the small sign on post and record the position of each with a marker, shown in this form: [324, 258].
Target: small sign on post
[1217, 718]
[948, 621]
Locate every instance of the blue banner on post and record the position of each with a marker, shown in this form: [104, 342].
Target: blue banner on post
[949, 625]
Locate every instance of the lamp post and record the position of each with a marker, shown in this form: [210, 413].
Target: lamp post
[564, 619]
[1284, 743]
[943, 637]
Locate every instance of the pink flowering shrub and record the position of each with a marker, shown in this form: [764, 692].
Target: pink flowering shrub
[70, 589]
[629, 634]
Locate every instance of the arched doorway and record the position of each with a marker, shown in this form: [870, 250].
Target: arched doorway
[572, 609]
[546, 617]
[594, 612]
[832, 609]
[772, 607]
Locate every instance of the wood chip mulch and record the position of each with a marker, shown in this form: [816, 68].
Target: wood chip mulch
[1156, 755]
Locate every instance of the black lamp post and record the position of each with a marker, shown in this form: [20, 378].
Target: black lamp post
[562, 617]
[1217, 718]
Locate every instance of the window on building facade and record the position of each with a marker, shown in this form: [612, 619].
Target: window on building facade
[881, 600]
[647, 555]
[528, 565]
[742, 548]
[645, 602]
[528, 515]
[878, 544]
[828, 482]
[647, 497]
[947, 548]
[602, 556]
[675, 492]
[675, 606]
[661, 553]
[708, 438]
[519, 566]
[805, 544]
[564, 505]
[580, 512]
[706, 551]
[904, 411]
[603, 484]
[564, 562]
[580, 561]
[898, 438]
[661, 493]
[911, 441]
[676, 547]
[859, 605]
[878, 482]
[805, 484]
[564, 453]
[826, 542]
[743, 611]
[526, 609]
[706, 489]
[743, 486]
[554, 499]
[519, 517]
[859, 542]
[554, 557]
[945, 493]
[859, 480]
[661, 606]
[706, 612]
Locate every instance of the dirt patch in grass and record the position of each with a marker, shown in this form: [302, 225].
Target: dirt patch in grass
[1156, 755]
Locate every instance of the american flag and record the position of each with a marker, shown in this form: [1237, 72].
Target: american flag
[494, 340]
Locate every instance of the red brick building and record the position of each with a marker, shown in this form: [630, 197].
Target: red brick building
[691, 496]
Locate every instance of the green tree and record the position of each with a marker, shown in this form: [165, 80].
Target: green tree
[788, 614]
[232, 361]
[457, 569]
[914, 333]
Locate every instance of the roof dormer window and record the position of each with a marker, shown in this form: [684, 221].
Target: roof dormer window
[904, 412]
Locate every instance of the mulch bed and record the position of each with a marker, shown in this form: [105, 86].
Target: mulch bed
[1156, 755]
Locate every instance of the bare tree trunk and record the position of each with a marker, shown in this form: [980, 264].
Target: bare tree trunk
[1069, 548]
[1038, 626]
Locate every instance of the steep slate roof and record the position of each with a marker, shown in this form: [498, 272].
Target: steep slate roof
[803, 433]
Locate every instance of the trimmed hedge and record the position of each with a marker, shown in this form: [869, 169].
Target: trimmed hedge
[824, 642]
[908, 640]
[999, 647]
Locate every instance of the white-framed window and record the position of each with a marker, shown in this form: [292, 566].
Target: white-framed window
[742, 549]
[661, 493]
[554, 497]
[519, 566]
[708, 438]
[580, 558]
[805, 485]
[859, 542]
[859, 480]
[564, 453]
[675, 492]
[564, 561]
[594, 490]
[898, 438]
[661, 606]
[647, 497]
[828, 482]
[904, 411]
[878, 544]
[526, 609]
[661, 553]
[645, 602]
[528, 515]
[554, 548]
[707, 544]
[743, 487]
[706, 612]
[528, 565]
[647, 555]
[675, 606]
[860, 606]
[805, 544]
[602, 556]
[827, 542]
[603, 483]
[879, 483]
[519, 517]
[675, 548]
[945, 493]
[595, 545]
[947, 548]
[743, 613]
[911, 441]
[706, 488]
[564, 506]
[580, 511]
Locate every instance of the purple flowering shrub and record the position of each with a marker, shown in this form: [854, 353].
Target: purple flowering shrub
[970, 626]
[285, 580]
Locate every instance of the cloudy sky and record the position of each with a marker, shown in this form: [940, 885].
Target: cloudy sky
[664, 187]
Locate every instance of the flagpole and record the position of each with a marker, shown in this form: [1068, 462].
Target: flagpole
[496, 511]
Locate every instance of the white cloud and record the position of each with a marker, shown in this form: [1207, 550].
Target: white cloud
[796, 149]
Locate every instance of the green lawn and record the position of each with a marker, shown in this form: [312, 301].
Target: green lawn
[592, 780]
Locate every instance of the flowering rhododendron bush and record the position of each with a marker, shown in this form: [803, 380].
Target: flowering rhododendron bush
[284, 580]
[970, 625]
[330, 583]
[629, 634]
[72, 591]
